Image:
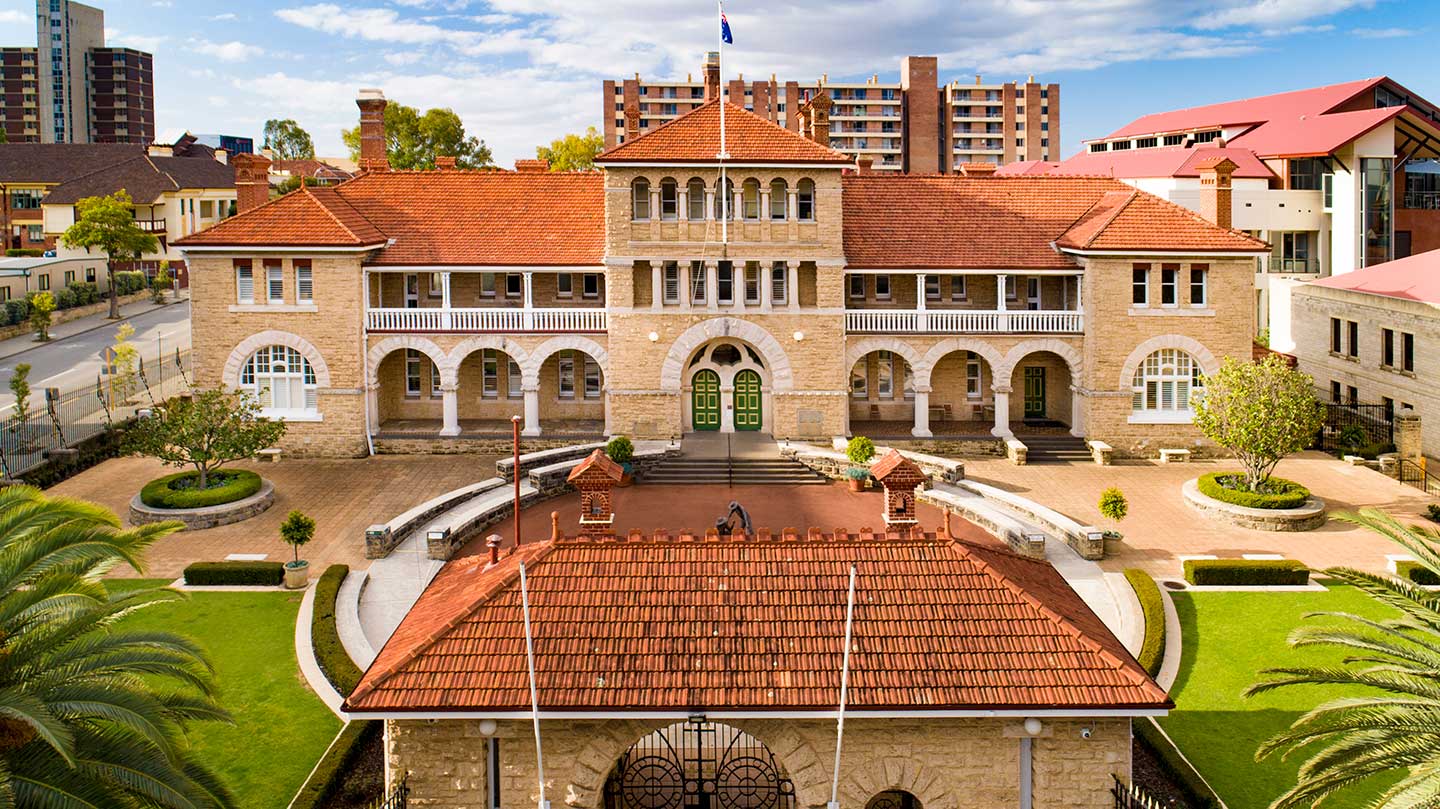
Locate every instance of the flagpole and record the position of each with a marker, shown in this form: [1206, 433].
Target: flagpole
[844, 694]
[725, 194]
[534, 700]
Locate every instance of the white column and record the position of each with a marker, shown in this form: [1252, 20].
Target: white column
[922, 320]
[709, 205]
[766, 290]
[450, 409]
[922, 413]
[445, 320]
[793, 293]
[372, 403]
[655, 205]
[683, 270]
[737, 211]
[1002, 411]
[528, 291]
[792, 205]
[712, 285]
[531, 391]
[765, 204]
[656, 292]
[682, 205]
[1004, 324]
[737, 284]
[1077, 413]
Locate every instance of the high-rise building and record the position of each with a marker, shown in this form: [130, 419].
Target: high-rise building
[71, 88]
[914, 124]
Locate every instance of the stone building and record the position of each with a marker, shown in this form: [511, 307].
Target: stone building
[804, 296]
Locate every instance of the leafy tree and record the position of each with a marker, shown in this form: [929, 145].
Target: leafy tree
[204, 431]
[573, 152]
[1261, 411]
[413, 140]
[92, 714]
[20, 389]
[1386, 722]
[41, 305]
[287, 140]
[297, 530]
[1113, 505]
[293, 183]
[160, 283]
[108, 223]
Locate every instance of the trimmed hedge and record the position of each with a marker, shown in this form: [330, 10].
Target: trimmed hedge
[236, 484]
[1283, 493]
[339, 669]
[28, 252]
[329, 774]
[210, 574]
[1417, 573]
[1152, 606]
[1246, 572]
[1193, 788]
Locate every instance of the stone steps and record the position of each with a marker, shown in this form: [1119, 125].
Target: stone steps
[1056, 449]
[733, 472]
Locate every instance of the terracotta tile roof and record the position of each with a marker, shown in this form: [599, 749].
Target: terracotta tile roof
[318, 169]
[1020, 167]
[1307, 135]
[1413, 278]
[893, 460]
[1164, 161]
[694, 137]
[708, 624]
[946, 222]
[441, 217]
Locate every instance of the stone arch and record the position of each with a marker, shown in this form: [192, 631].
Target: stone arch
[230, 375]
[857, 350]
[481, 342]
[672, 369]
[566, 342]
[1191, 346]
[938, 351]
[876, 775]
[426, 346]
[1061, 348]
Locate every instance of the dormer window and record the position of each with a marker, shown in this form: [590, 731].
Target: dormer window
[640, 200]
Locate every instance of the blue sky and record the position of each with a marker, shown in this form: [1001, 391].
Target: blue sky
[522, 72]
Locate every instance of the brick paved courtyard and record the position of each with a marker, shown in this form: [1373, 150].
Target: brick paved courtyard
[1160, 527]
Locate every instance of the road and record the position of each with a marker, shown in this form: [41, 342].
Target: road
[76, 361]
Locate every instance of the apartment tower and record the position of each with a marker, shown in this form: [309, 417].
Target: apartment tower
[914, 125]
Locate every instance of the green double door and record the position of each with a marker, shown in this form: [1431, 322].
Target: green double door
[1034, 393]
[705, 401]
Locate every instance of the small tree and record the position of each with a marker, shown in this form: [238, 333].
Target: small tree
[108, 223]
[125, 356]
[297, 530]
[160, 283]
[1113, 505]
[41, 305]
[1261, 411]
[20, 389]
[573, 152]
[204, 431]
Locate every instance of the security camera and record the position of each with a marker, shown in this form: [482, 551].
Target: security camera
[1085, 732]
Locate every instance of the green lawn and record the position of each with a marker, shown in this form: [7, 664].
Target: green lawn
[1229, 637]
[281, 728]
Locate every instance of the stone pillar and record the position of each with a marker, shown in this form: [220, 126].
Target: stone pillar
[682, 204]
[709, 205]
[764, 204]
[922, 320]
[682, 271]
[792, 204]
[656, 286]
[528, 305]
[922, 413]
[766, 288]
[531, 391]
[712, 285]
[1002, 411]
[372, 404]
[1004, 319]
[445, 318]
[793, 293]
[1077, 413]
[1408, 444]
[450, 409]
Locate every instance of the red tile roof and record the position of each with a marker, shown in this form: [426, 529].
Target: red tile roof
[677, 624]
[1414, 278]
[1165, 161]
[694, 137]
[946, 222]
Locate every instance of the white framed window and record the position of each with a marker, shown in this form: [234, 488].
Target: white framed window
[565, 365]
[274, 283]
[752, 282]
[750, 199]
[885, 375]
[1169, 285]
[1199, 284]
[513, 381]
[932, 287]
[725, 283]
[640, 200]
[1011, 290]
[592, 378]
[669, 200]
[490, 374]
[513, 288]
[859, 380]
[805, 200]
[590, 285]
[698, 280]
[304, 283]
[281, 379]
[244, 282]
[564, 285]
[778, 199]
[695, 200]
[670, 282]
[779, 282]
[882, 287]
[1140, 285]
[958, 290]
[487, 284]
[412, 373]
[972, 377]
[1164, 384]
[857, 287]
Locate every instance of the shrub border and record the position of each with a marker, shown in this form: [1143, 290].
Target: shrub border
[325, 641]
[1294, 495]
[1246, 572]
[1152, 607]
[158, 494]
[234, 573]
[330, 769]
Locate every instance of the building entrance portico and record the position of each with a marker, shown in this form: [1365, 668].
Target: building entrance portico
[727, 388]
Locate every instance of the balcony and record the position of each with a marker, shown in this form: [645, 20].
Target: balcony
[1421, 200]
[963, 321]
[1276, 264]
[480, 321]
[151, 225]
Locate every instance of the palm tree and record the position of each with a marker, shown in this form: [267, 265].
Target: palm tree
[1395, 663]
[92, 714]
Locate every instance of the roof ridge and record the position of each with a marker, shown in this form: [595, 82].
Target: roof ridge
[99, 170]
[326, 206]
[1106, 220]
[682, 116]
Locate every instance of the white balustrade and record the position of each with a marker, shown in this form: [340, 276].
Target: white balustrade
[487, 320]
[963, 321]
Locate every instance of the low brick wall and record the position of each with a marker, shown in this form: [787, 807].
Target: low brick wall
[382, 538]
[833, 464]
[956, 446]
[1305, 518]
[544, 456]
[209, 516]
[478, 524]
[461, 445]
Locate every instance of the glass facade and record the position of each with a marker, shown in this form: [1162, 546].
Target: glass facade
[1377, 212]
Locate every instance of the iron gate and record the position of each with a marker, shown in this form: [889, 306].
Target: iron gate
[1351, 426]
[698, 765]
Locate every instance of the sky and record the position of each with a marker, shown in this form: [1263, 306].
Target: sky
[523, 72]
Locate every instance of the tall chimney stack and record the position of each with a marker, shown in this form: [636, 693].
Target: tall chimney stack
[817, 118]
[373, 154]
[632, 121]
[1215, 176]
[712, 75]
[252, 181]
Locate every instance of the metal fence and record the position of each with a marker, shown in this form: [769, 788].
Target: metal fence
[1414, 474]
[56, 421]
[398, 798]
[1133, 796]
[1354, 425]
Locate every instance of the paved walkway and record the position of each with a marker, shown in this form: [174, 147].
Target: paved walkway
[1161, 528]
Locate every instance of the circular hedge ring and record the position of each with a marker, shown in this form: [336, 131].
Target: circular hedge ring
[1279, 492]
[181, 490]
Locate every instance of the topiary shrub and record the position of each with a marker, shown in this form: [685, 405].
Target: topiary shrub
[1152, 607]
[212, 574]
[339, 669]
[860, 450]
[1227, 487]
[1415, 572]
[182, 490]
[1246, 572]
[620, 449]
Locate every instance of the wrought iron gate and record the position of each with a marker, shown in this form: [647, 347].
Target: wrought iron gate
[698, 765]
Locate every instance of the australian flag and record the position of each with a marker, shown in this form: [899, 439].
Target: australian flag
[725, 29]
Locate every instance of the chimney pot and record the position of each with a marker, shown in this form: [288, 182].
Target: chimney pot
[252, 181]
[373, 153]
[712, 75]
[865, 165]
[444, 162]
[532, 166]
[492, 542]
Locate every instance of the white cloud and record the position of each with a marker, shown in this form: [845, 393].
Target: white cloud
[12, 17]
[233, 51]
[227, 16]
[145, 42]
[1385, 33]
[1277, 13]
[402, 58]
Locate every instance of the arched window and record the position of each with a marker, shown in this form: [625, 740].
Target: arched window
[894, 799]
[1164, 383]
[725, 200]
[281, 379]
[805, 201]
[750, 199]
[695, 203]
[640, 199]
[777, 199]
[669, 199]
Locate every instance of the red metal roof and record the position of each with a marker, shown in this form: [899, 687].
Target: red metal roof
[1164, 161]
[694, 137]
[1414, 278]
[1289, 105]
[712, 624]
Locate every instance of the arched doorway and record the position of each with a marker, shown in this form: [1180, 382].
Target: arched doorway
[705, 401]
[747, 401]
[729, 388]
[894, 799]
[699, 765]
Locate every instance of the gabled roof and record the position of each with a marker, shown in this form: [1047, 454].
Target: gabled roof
[310, 217]
[1313, 136]
[691, 624]
[1021, 167]
[694, 137]
[1164, 161]
[145, 178]
[1277, 106]
[1014, 222]
[1413, 278]
[317, 169]
[58, 162]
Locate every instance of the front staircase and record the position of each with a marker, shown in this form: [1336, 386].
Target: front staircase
[733, 472]
[1055, 449]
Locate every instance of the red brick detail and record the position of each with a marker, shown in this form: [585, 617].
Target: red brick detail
[594, 477]
[252, 181]
[899, 475]
[1215, 189]
[373, 153]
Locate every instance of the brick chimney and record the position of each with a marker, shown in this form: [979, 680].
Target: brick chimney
[978, 169]
[865, 165]
[817, 118]
[712, 75]
[252, 181]
[1215, 175]
[444, 162]
[533, 166]
[632, 121]
[373, 154]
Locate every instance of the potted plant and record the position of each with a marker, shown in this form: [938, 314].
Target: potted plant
[1113, 507]
[621, 450]
[860, 451]
[297, 530]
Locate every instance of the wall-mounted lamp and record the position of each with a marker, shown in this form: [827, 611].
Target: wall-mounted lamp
[799, 335]
[653, 336]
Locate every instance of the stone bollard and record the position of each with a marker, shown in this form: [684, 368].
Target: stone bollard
[1408, 442]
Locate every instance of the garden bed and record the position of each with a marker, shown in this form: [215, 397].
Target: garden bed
[231, 496]
[1275, 493]
[1274, 513]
